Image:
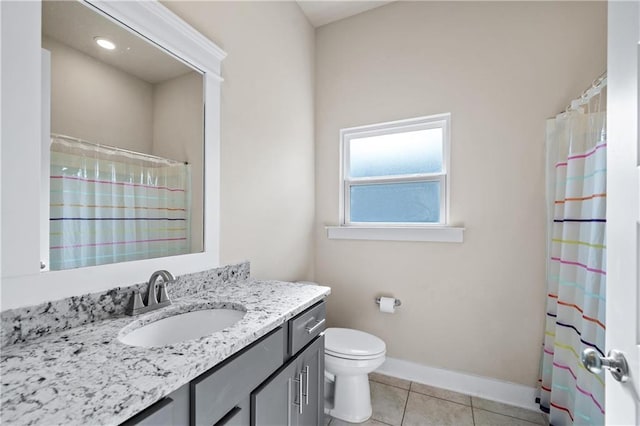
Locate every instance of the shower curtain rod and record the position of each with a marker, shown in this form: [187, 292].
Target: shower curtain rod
[585, 97]
[116, 149]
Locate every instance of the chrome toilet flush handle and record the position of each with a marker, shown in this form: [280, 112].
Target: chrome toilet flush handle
[615, 362]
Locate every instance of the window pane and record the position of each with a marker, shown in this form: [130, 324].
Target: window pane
[396, 154]
[396, 202]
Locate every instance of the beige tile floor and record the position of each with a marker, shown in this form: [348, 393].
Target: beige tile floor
[398, 402]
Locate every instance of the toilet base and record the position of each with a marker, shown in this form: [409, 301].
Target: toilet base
[352, 399]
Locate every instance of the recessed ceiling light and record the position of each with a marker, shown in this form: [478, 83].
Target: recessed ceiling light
[105, 43]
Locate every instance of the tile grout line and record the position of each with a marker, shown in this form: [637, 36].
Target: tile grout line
[405, 405]
[426, 394]
[473, 411]
[370, 418]
[387, 384]
[444, 399]
[473, 408]
[397, 387]
[506, 415]
[406, 402]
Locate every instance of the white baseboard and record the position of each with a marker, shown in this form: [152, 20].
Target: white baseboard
[469, 384]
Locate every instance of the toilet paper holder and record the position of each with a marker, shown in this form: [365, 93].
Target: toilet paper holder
[396, 303]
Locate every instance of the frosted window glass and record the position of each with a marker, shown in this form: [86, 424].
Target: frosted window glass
[417, 202]
[396, 154]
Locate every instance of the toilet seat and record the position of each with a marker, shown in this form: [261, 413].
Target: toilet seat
[353, 344]
[352, 357]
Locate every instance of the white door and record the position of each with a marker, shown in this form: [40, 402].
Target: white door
[623, 212]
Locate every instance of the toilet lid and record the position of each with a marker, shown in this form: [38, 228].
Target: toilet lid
[348, 343]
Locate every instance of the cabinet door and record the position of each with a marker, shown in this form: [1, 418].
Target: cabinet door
[295, 395]
[218, 391]
[173, 410]
[159, 414]
[311, 365]
[180, 406]
[238, 415]
[273, 402]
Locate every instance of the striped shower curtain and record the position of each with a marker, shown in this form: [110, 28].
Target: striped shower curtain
[576, 276]
[109, 205]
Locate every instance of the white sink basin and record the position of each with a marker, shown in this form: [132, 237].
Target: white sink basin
[182, 327]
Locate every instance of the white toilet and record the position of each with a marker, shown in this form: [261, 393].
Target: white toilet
[349, 356]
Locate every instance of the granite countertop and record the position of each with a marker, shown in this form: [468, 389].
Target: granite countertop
[86, 376]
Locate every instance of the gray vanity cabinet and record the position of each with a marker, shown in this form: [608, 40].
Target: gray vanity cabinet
[295, 394]
[276, 381]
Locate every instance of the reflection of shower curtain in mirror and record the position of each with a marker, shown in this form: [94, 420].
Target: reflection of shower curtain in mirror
[108, 205]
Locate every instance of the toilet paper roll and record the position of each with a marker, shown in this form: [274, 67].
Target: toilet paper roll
[387, 305]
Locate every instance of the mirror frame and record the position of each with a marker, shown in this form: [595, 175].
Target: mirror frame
[23, 283]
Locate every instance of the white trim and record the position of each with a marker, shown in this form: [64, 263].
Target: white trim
[400, 123]
[446, 166]
[1, 137]
[417, 177]
[21, 88]
[45, 160]
[440, 234]
[161, 26]
[469, 384]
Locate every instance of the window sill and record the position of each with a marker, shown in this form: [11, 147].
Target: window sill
[439, 234]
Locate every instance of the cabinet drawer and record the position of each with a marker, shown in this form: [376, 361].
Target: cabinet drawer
[216, 392]
[306, 327]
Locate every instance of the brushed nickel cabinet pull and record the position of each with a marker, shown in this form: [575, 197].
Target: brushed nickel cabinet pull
[311, 330]
[306, 386]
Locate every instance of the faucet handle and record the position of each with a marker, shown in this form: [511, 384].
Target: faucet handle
[164, 297]
[135, 303]
[152, 298]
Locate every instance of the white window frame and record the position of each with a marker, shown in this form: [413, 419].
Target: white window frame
[396, 231]
[440, 121]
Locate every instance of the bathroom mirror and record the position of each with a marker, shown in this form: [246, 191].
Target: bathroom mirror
[126, 146]
[27, 127]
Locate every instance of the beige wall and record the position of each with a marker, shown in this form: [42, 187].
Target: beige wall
[267, 152]
[501, 69]
[120, 110]
[178, 132]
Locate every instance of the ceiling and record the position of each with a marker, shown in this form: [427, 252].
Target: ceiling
[76, 25]
[321, 12]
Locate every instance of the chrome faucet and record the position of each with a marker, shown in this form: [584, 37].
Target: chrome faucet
[156, 294]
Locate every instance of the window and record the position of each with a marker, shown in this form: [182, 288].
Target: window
[396, 172]
[394, 175]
